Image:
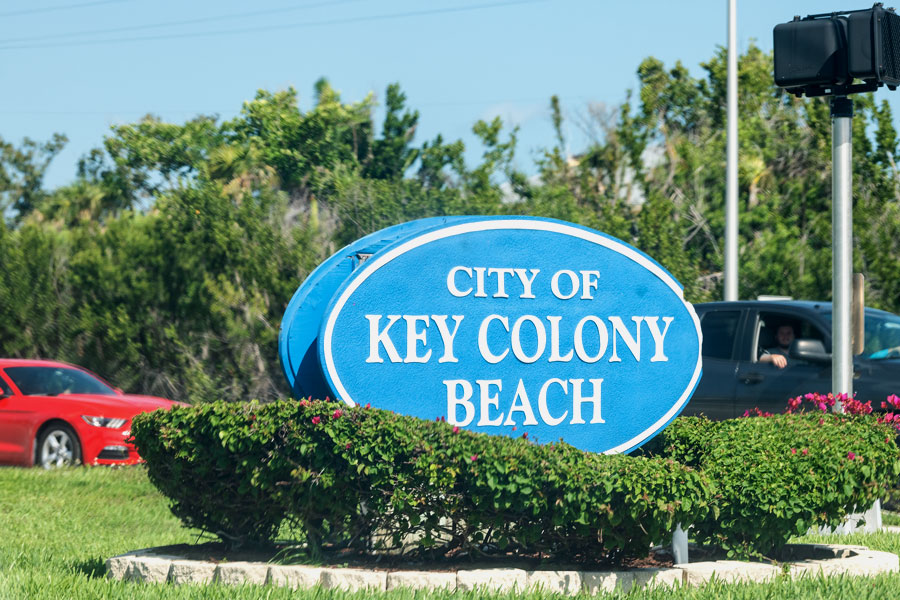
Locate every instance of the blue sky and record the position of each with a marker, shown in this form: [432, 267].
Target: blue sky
[79, 66]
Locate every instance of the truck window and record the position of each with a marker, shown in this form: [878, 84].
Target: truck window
[769, 324]
[719, 330]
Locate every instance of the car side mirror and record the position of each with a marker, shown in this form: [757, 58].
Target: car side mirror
[810, 351]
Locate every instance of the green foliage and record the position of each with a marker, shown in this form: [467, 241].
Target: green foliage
[32, 290]
[22, 173]
[185, 300]
[778, 476]
[239, 470]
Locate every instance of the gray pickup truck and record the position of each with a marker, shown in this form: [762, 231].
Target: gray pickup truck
[740, 339]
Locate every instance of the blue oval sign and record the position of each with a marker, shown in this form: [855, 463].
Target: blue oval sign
[516, 326]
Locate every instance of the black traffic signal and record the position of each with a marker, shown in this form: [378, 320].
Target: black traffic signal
[839, 53]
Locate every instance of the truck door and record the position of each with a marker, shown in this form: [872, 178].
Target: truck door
[765, 386]
[714, 396]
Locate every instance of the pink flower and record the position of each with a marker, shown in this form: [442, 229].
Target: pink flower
[368, 405]
[804, 452]
[455, 429]
[316, 420]
[337, 414]
[821, 421]
[793, 451]
[525, 435]
[851, 455]
[347, 447]
[474, 457]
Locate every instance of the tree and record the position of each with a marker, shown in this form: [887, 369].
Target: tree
[22, 174]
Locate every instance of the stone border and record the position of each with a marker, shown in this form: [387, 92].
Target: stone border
[148, 566]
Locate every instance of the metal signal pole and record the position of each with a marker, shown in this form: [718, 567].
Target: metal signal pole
[842, 246]
[731, 204]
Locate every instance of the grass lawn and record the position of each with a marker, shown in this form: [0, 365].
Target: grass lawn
[60, 526]
[890, 518]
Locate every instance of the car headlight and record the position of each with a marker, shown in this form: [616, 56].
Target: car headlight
[103, 422]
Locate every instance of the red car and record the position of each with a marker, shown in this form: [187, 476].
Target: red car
[54, 414]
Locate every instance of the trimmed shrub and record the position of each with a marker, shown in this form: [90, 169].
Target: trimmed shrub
[778, 476]
[240, 470]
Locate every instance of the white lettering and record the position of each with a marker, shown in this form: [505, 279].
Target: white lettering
[633, 343]
[542, 402]
[453, 401]
[554, 284]
[479, 282]
[501, 281]
[517, 341]
[658, 338]
[554, 342]
[522, 405]
[487, 401]
[413, 337]
[578, 400]
[526, 282]
[588, 283]
[446, 336]
[381, 338]
[488, 412]
[486, 353]
[451, 282]
[579, 339]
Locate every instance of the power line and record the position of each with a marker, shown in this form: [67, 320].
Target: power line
[31, 11]
[259, 29]
[155, 112]
[196, 21]
[235, 111]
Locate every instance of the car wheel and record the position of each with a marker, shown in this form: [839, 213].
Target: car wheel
[57, 446]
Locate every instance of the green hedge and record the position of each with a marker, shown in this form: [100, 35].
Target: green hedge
[778, 476]
[359, 476]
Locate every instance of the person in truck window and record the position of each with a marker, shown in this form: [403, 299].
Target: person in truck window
[777, 355]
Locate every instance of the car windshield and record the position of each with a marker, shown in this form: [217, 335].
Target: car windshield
[52, 381]
[882, 335]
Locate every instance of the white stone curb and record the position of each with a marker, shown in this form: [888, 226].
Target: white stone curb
[146, 566]
[352, 580]
[191, 571]
[237, 573]
[728, 571]
[421, 580]
[495, 580]
[561, 582]
[294, 576]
